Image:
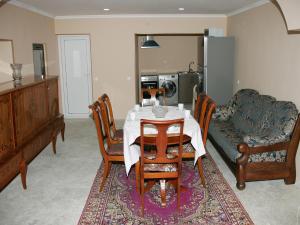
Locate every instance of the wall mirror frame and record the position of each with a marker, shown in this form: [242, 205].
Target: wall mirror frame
[6, 58]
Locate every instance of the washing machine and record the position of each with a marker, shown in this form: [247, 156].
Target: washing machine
[169, 82]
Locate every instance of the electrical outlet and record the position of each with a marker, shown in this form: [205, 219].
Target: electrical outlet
[238, 82]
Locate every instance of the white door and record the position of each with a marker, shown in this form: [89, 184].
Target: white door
[75, 67]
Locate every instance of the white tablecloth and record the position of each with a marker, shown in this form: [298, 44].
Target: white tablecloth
[132, 131]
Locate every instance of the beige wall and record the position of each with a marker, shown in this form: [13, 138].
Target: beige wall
[113, 50]
[6, 58]
[267, 58]
[175, 54]
[24, 28]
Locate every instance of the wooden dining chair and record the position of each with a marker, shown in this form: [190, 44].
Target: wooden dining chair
[158, 164]
[111, 152]
[204, 109]
[154, 93]
[114, 135]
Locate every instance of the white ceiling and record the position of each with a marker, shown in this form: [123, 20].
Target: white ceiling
[95, 7]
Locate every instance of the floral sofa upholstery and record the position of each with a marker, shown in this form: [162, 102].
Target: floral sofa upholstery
[254, 130]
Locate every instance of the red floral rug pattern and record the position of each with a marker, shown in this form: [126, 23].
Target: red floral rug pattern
[119, 202]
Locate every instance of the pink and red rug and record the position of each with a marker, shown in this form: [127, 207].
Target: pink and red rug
[119, 202]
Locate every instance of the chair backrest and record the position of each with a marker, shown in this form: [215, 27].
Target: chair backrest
[154, 93]
[160, 141]
[200, 108]
[101, 134]
[108, 117]
[194, 97]
[204, 109]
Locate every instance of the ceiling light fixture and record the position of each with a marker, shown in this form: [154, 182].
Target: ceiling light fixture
[149, 42]
[106, 9]
[180, 9]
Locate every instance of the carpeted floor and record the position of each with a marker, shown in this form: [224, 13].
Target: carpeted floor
[119, 203]
[58, 185]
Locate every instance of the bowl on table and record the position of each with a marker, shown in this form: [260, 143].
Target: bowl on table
[159, 111]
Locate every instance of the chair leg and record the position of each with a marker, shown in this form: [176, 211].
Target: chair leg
[107, 166]
[137, 177]
[200, 169]
[23, 171]
[142, 194]
[178, 194]
[163, 192]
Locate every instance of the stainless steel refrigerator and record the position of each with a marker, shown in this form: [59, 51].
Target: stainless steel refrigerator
[218, 68]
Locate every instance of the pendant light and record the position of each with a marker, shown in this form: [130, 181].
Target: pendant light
[149, 43]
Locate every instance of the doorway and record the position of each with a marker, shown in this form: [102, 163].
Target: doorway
[39, 59]
[177, 52]
[75, 67]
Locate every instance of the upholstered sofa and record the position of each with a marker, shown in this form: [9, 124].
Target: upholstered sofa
[257, 136]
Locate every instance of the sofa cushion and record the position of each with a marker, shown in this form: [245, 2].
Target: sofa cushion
[227, 136]
[274, 126]
[252, 113]
[224, 112]
[275, 156]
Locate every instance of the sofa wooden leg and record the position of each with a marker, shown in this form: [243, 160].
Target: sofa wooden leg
[241, 166]
[23, 171]
[241, 185]
[290, 179]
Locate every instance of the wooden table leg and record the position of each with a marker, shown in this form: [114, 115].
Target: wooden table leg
[150, 184]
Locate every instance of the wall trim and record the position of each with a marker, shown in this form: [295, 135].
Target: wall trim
[249, 7]
[70, 17]
[30, 8]
[140, 16]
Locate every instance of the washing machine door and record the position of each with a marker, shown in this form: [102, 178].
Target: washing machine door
[170, 88]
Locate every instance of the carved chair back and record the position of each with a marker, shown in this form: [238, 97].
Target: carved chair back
[108, 117]
[101, 134]
[204, 109]
[154, 93]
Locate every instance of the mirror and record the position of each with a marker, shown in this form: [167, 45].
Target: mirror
[6, 58]
[39, 59]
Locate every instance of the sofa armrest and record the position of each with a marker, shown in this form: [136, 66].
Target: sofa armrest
[223, 112]
[264, 139]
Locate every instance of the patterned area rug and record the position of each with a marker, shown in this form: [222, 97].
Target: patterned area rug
[119, 202]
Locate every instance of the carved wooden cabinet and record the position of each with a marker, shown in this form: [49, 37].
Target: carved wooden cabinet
[29, 121]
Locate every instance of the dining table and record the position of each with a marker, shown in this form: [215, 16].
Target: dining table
[132, 130]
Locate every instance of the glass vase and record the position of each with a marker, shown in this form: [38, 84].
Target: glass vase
[16, 67]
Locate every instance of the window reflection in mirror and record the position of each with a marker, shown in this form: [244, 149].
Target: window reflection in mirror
[6, 58]
[39, 59]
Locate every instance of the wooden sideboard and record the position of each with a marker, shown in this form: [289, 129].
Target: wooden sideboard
[29, 121]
